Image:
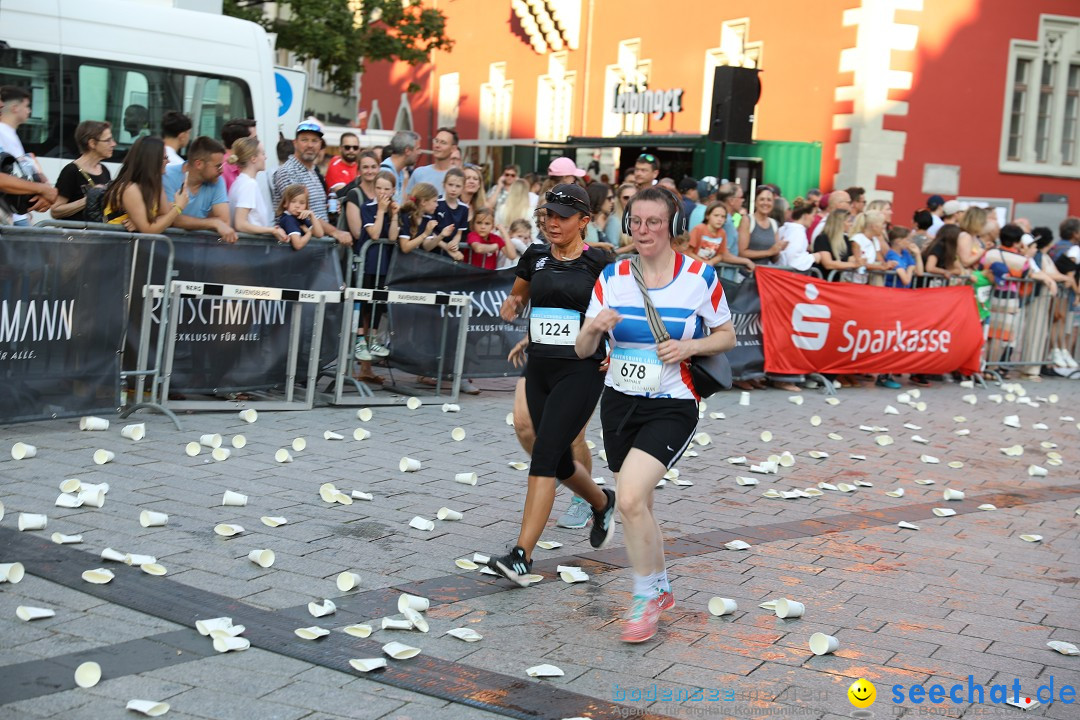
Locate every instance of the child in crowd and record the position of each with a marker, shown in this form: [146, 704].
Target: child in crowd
[484, 245]
[294, 217]
[521, 235]
[708, 241]
[904, 251]
[452, 215]
[420, 208]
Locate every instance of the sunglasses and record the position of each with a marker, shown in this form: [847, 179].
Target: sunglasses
[646, 157]
[350, 147]
[561, 198]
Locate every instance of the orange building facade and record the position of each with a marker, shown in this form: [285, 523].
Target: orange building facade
[970, 98]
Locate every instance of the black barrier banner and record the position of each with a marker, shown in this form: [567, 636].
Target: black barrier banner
[418, 329]
[747, 358]
[62, 311]
[229, 345]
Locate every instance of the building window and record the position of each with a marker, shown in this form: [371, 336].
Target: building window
[496, 100]
[1042, 106]
[375, 116]
[630, 73]
[403, 120]
[555, 100]
[449, 99]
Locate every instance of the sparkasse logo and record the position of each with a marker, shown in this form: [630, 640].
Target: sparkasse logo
[809, 322]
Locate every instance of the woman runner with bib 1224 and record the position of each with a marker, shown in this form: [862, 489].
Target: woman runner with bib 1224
[649, 408]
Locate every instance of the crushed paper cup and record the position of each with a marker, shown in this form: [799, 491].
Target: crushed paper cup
[811, 492]
[548, 544]
[67, 500]
[22, 451]
[227, 530]
[903, 398]
[544, 671]
[192, 449]
[717, 416]
[826, 486]
[890, 410]
[347, 580]
[249, 416]
[929, 459]
[1013, 450]
[1040, 426]
[32, 521]
[863, 483]
[313, 632]
[1065, 648]
[205, 627]
[883, 440]
[573, 575]
[234, 499]
[400, 651]
[925, 481]
[364, 414]
[272, 521]
[531, 578]
[737, 460]
[768, 605]
[113, 555]
[1045, 445]
[93, 423]
[150, 708]
[135, 431]
[457, 434]
[897, 493]
[27, 613]
[518, 465]
[466, 634]
[421, 523]
[970, 399]
[795, 399]
[745, 480]
[737, 545]
[446, 513]
[466, 564]
[466, 478]
[1031, 538]
[835, 436]
[359, 630]
[950, 494]
[833, 400]
[451, 407]
[283, 456]
[510, 419]
[414, 403]
[846, 487]
[210, 440]
[420, 604]
[702, 439]
[262, 558]
[299, 444]
[321, 610]
[955, 464]
[408, 464]
[920, 439]
[331, 435]
[392, 624]
[367, 664]
[818, 454]
[99, 576]
[415, 619]
[87, 674]
[1012, 421]
[1037, 471]
[102, 457]
[361, 495]
[152, 518]
[11, 572]
[61, 539]
[912, 426]
[943, 512]
[789, 609]
[221, 454]
[770, 493]
[920, 406]
[988, 506]
[671, 474]
[361, 434]
[1053, 461]
[153, 569]
[907, 525]
[137, 559]
[962, 432]
[480, 558]
[231, 644]
[822, 644]
[722, 606]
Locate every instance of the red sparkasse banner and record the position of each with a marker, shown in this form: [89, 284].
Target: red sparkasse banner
[809, 325]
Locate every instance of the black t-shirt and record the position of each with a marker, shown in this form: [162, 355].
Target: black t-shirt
[72, 185]
[565, 284]
[458, 217]
[822, 244]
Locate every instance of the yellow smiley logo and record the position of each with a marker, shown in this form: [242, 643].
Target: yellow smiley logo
[862, 693]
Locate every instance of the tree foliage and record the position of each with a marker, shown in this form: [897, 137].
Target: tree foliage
[343, 34]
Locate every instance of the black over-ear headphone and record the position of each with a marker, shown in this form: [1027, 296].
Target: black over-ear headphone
[674, 206]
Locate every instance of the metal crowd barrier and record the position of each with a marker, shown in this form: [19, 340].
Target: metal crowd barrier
[1019, 331]
[180, 289]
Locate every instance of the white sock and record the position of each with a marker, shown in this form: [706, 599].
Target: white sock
[662, 583]
[644, 586]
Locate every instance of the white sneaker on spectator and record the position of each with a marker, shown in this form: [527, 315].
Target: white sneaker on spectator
[1069, 359]
[469, 388]
[361, 351]
[1057, 357]
[378, 350]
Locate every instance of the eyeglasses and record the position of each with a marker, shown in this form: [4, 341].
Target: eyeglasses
[105, 140]
[626, 198]
[350, 147]
[561, 198]
[653, 223]
[646, 157]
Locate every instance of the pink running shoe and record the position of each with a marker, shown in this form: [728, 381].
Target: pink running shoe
[665, 600]
[641, 622]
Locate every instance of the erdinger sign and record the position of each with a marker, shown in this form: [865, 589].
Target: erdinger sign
[814, 326]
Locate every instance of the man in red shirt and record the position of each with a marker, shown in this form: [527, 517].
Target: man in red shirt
[342, 169]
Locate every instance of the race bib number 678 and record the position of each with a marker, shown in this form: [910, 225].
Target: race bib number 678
[636, 371]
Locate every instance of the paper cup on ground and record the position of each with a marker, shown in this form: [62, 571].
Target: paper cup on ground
[249, 416]
[367, 664]
[22, 451]
[210, 440]
[421, 523]
[273, 521]
[331, 435]
[1037, 471]
[466, 478]
[103, 456]
[221, 454]
[153, 569]
[744, 398]
[67, 500]
[136, 431]
[346, 581]
[466, 564]
[100, 576]
[457, 434]
[26, 613]
[953, 494]
[92, 497]
[262, 558]
[138, 560]
[451, 407]
[311, 633]
[327, 607]
[231, 644]
[413, 403]
[400, 651]
[408, 464]
[112, 555]
[544, 671]
[150, 708]
[205, 627]
[943, 512]
[789, 608]
[361, 434]
[87, 675]
[361, 495]
[234, 499]
[364, 414]
[11, 572]
[722, 606]
[150, 518]
[227, 530]
[415, 619]
[32, 521]
[466, 634]
[392, 624]
[446, 513]
[238, 441]
[93, 423]
[192, 449]
[420, 604]
[62, 539]
[283, 456]
[359, 630]
[299, 444]
[822, 644]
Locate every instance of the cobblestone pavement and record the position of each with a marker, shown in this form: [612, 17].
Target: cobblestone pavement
[962, 597]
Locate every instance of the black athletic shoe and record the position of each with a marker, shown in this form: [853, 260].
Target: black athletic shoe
[603, 525]
[512, 566]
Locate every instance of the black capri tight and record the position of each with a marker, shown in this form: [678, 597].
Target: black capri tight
[561, 395]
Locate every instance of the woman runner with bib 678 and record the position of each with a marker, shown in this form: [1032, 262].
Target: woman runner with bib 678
[649, 409]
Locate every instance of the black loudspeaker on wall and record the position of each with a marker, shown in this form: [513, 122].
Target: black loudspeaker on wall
[736, 91]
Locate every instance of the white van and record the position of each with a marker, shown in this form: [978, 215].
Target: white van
[128, 62]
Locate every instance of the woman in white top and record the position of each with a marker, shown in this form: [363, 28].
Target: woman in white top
[649, 408]
[868, 242]
[248, 205]
[796, 254]
[520, 204]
